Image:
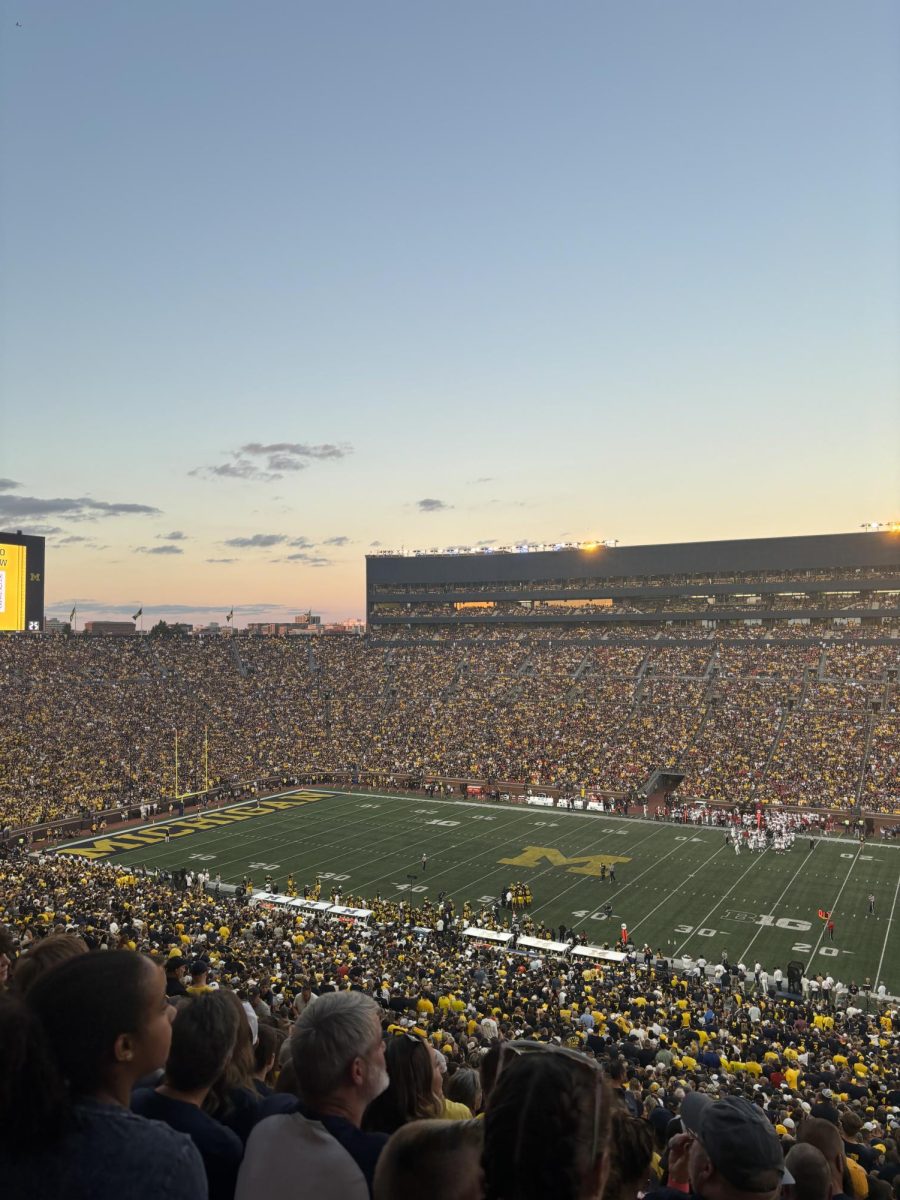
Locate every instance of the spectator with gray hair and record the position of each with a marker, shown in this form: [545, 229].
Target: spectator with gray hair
[337, 1054]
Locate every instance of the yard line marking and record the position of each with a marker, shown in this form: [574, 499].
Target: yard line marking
[237, 840]
[614, 892]
[791, 881]
[168, 819]
[884, 947]
[668, 897]
[596, 842]
[551, 867]
[277, 842]
[618, 891]
[434, 837]
[757, 859]
[835, 904]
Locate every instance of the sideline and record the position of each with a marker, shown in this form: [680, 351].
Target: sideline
[887, 934]
[500, 806]
[163, 822]
[834, 905]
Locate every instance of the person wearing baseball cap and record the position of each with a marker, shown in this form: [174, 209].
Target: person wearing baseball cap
[732, 1152]
[199, 972]
[175, 969]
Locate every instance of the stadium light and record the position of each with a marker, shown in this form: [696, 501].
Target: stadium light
[520, 547]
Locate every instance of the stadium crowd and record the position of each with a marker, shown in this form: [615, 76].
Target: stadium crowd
[535, 610]
[168, 1042]
[887, 579]
[93, 723]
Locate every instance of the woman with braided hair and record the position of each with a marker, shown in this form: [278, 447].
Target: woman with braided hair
[547, 1125]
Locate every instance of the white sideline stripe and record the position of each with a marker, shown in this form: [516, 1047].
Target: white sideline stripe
[503, 806]
[887, 933]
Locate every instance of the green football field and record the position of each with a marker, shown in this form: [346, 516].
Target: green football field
[679, 888]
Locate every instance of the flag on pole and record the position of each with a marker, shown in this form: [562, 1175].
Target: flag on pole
[72, 613]
[230, 616]
[139, 613]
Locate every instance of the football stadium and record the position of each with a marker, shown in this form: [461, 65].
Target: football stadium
[638, 804]
[450, 601]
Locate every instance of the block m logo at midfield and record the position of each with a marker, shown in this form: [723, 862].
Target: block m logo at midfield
[580, 864]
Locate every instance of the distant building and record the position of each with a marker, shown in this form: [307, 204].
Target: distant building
[109, 628]
[308, 619]
[352, 626]
[55, 625]
[308, 624]
[296, 628]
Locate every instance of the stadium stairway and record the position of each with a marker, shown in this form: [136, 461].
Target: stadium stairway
[861, 782]
[645, 665]
[240, 665]
[583, 671]
[708, 705]
[779, 732]
[454, 685]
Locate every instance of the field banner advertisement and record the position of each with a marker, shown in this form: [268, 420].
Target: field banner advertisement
[21, 583]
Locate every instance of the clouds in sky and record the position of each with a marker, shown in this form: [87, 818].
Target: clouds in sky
[430, 505]
[166, 549]
[302, 549]
[300, 544]
[311, 560]
[175, 536]
[265, 462]
[81, 508]
[256, 540]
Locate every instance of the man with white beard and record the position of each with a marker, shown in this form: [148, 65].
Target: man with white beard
[337, 1051]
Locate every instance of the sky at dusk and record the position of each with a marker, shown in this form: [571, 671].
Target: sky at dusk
[283, 283]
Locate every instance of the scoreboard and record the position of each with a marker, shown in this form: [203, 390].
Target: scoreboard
[21, 583]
